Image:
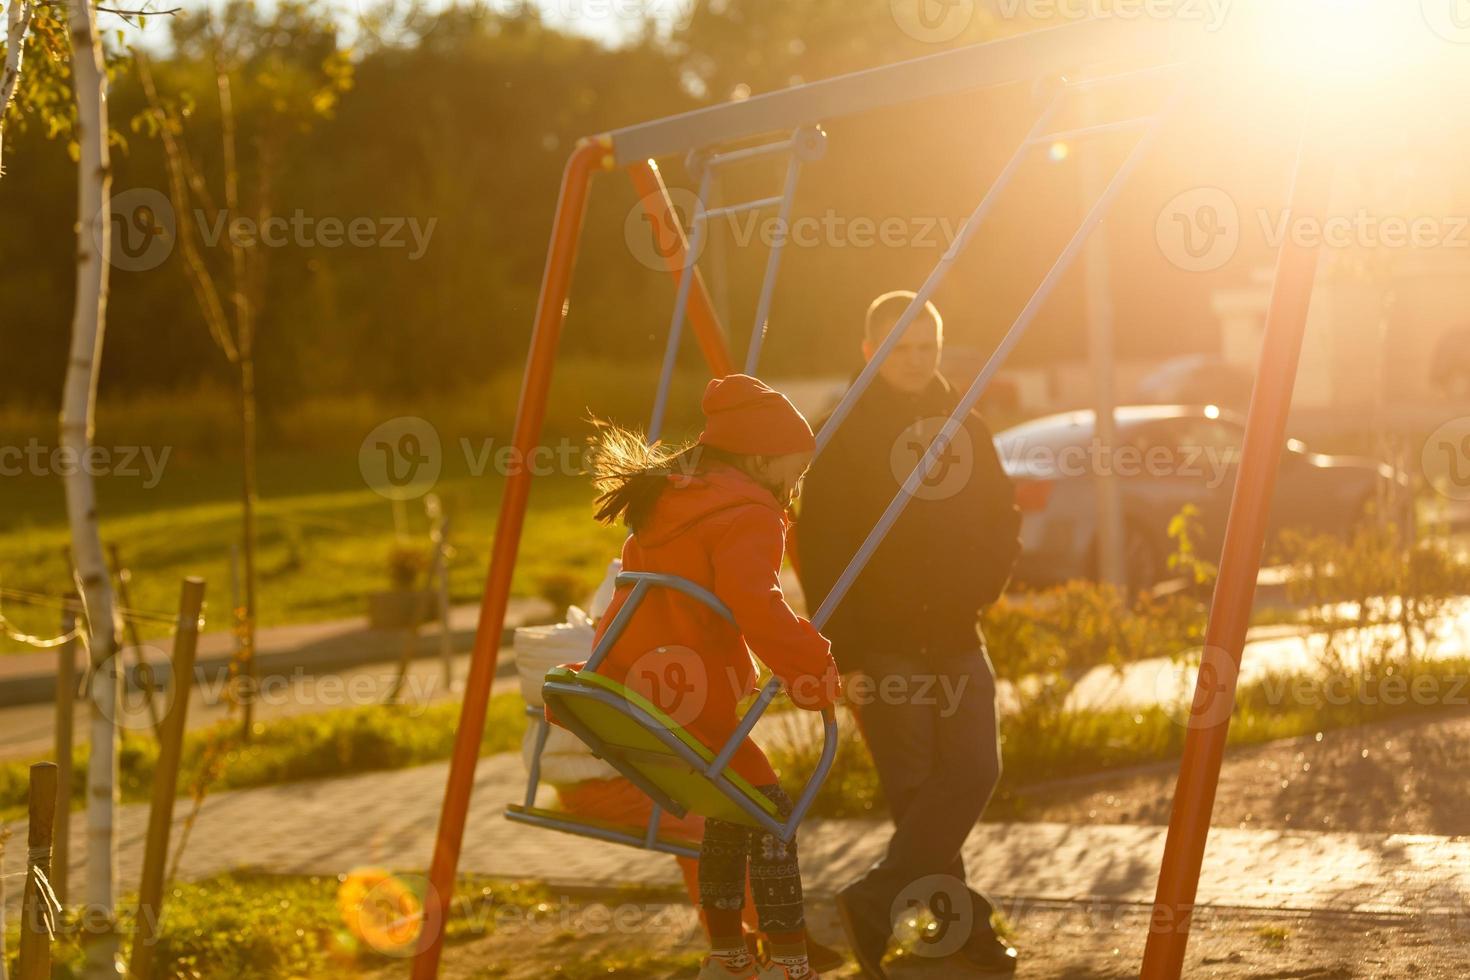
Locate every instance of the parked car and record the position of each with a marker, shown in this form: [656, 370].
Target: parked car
[1165, 456]
[1197, 379]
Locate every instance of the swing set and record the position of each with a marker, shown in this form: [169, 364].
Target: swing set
[678, 772]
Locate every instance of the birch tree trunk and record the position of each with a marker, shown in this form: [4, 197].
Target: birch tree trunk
[18, 23]
[94, 179]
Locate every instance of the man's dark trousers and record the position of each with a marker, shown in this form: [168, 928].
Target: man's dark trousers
[935, 743]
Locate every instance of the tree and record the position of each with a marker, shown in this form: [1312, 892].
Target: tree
[293, 66]
[89, 319]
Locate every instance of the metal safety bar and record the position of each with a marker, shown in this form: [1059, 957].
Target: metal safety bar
[713, 769]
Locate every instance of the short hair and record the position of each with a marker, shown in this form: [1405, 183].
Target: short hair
[884, 313]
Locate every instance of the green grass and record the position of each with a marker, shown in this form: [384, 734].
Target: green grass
[324, 539]
[324, 536]
[263, 927]
[314, 746]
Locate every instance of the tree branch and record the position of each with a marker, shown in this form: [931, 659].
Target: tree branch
[18, 25]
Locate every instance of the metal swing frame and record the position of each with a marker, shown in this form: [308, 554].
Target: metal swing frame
[1041, 54]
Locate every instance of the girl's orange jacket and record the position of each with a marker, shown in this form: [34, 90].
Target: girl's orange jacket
[723, 531]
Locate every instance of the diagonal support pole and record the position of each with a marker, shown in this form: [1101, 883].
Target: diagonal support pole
[1240, 564]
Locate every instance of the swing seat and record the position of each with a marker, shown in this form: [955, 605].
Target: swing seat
[678, 772]
[606, 830]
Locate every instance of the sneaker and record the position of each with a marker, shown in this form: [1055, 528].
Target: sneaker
[715, 969]
[773, 972]
[869, 939]
[823, 959]
[991, 955]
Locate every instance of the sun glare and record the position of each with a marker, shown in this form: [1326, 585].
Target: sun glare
[1334, 44]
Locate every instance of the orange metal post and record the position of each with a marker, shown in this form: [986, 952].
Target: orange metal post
[649, 184]
[1240, 562]
[589, 156]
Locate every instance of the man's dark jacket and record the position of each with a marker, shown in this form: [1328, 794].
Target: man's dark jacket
[948, 556]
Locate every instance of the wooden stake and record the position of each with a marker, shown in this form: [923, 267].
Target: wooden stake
[166, 779]
[66, 695]
[36, 916]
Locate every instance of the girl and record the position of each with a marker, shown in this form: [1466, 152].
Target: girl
[714, 513]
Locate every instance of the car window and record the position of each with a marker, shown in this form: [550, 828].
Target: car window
[1187, 445]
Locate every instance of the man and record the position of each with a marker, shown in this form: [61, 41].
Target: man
[907, 632]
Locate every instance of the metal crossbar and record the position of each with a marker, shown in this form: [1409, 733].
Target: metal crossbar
[804, 144]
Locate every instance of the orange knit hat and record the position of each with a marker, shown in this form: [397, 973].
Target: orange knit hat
[744, 416]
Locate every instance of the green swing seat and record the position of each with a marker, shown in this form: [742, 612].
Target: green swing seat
[678, 771]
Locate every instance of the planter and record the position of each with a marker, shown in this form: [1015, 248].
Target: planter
[402, 610]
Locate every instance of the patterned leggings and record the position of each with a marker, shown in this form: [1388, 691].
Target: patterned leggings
[775, 881]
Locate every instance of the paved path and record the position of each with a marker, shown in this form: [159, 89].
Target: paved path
[389, 819]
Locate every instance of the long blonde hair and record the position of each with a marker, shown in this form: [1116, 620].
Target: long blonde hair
[630, 475]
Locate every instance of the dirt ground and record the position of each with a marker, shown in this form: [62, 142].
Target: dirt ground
[1057, 942]
[1395, 777]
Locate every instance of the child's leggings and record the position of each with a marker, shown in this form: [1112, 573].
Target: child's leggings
[775, 881]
